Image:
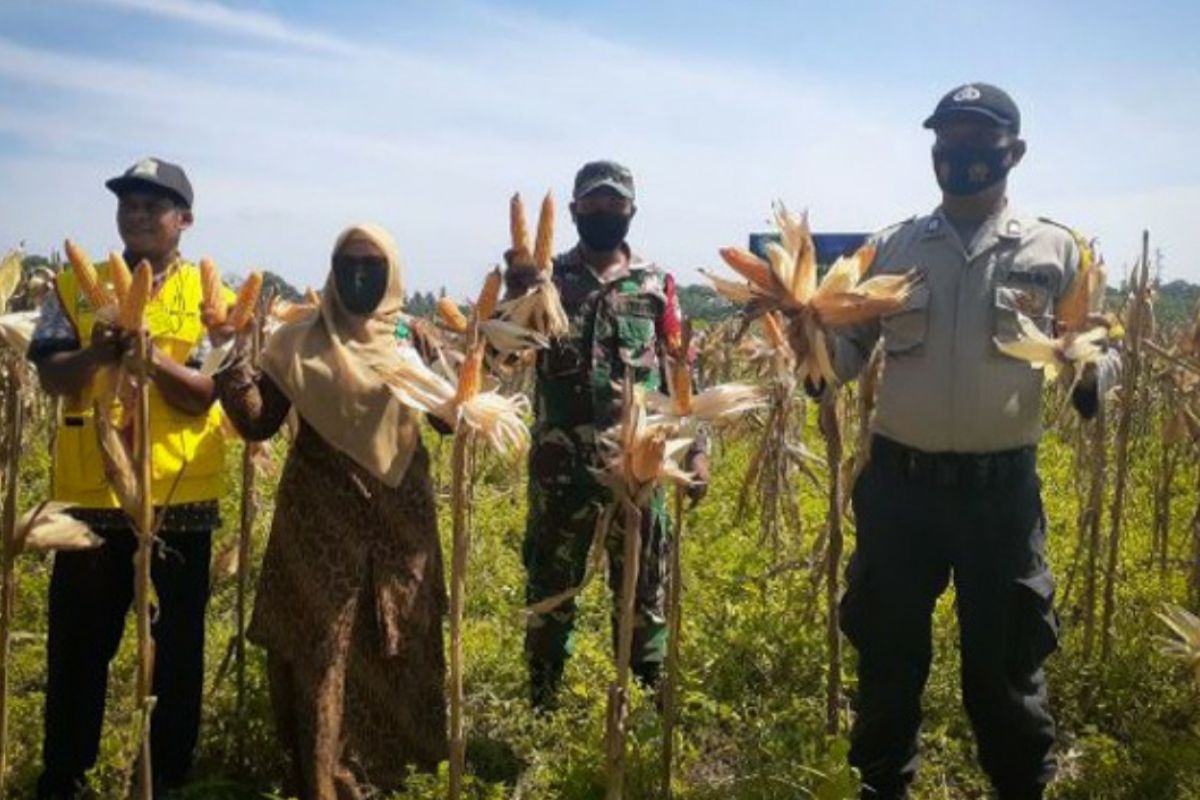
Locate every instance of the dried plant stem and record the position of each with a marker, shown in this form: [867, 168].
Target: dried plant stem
[8, 593]
[674, 626]
[145, 532]
[458, 589]
[1129, 400]
[618, 691]
[249, 510]
[830, 426]
[1092, 517]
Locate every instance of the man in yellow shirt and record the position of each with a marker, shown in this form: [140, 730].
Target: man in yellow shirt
[91, 591]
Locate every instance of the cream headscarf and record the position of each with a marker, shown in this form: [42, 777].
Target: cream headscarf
[327, 366]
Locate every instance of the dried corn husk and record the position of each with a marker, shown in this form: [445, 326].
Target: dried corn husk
[10, 276]
[120, 276]
[788, 281]
[734, 292]
[215, 307]
[48, 527]
[640, 454]
[85, 276]
[1186, 626]
[118, 467]
[247, 299]
[710, 405]
[133, 309]
[1051, 355]
[507, 337]
[499, 419]
[16, 329]
[750, 267]
[540, 310]
[450, 315]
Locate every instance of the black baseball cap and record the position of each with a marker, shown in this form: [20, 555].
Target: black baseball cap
[975, 102]
[598, 174]
[154, 174]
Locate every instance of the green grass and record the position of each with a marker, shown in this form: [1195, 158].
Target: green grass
[753, 664]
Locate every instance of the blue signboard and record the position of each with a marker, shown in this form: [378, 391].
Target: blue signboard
[830, 246]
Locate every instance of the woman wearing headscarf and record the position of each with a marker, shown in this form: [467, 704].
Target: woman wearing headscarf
[351, 595]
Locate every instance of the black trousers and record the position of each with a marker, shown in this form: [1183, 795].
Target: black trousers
[90, 595]
[922, 519]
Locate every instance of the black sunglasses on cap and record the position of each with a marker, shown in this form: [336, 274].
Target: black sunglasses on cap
[351, 262]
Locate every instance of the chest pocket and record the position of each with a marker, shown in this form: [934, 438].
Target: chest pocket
[904, 331]
[636, 336]
[1022, 291]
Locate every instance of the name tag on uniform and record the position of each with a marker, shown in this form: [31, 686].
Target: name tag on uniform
[1040, 280]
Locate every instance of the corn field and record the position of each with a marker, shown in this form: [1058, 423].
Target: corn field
[765, 685]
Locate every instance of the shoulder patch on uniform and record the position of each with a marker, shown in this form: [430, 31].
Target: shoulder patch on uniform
[895, 226]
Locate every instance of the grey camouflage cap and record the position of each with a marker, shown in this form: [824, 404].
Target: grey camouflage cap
[598, 174]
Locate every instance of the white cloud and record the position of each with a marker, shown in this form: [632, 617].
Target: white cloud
[229, 20]
[287, 146]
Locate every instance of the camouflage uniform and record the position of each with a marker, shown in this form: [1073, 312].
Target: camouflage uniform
[615, 327]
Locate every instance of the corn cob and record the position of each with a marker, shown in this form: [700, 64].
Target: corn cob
[470, 376]
[749, 266]
[119, 275]
[451, 315]
[773, 329]
[134, 308]
[85, 276]
[485, 307]
[543, 248]
[214, 297]
[519, 229]
[247, 299]
[681, 387]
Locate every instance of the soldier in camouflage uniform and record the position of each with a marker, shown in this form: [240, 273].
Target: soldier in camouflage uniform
[621, 309]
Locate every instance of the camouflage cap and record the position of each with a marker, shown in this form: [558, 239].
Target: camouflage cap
[599, 174]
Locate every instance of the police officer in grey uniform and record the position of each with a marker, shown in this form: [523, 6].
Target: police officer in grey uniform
[951, 488]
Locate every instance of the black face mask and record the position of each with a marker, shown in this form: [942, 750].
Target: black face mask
[602, 231]
[964, 170]
[361, 282]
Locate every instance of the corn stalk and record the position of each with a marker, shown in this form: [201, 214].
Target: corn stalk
[1129, 396]
[142, 586]
[1090, 525]
[460, 545]
[674, 627]
[830, 426]
[249, 510]
[8, 593]
[618, 690]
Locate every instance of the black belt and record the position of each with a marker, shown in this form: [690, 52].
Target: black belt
[952, 469]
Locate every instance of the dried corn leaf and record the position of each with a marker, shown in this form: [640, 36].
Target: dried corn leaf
[48, 527]
[118, 467]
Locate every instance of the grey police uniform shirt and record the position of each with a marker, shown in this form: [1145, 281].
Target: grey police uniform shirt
[945, 386]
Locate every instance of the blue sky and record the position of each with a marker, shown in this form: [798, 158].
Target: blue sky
[297, 118]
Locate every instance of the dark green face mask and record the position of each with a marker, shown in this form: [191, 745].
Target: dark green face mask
[361, 282]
